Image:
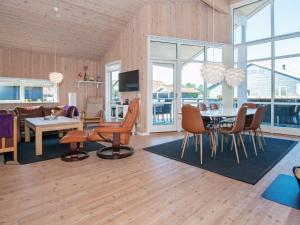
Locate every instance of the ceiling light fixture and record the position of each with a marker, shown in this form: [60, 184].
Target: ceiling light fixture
[213, 72]
[216, 72]
[234, 76]
[56, 77]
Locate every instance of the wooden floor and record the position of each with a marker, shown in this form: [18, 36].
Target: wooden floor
[143, 189]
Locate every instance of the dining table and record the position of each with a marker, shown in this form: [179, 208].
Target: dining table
[223, 115]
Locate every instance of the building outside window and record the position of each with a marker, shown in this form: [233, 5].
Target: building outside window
[266, 43]
[15, 90]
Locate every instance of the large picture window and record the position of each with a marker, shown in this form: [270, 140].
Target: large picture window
[266, 38]
[14, 90]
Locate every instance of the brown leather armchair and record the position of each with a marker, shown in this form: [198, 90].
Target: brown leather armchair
[116, 133]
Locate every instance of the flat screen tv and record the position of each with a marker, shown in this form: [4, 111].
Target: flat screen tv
[129, 81]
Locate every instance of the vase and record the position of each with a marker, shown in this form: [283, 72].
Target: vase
[296, 171]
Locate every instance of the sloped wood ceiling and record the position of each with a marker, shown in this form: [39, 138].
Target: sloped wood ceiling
[83, 28]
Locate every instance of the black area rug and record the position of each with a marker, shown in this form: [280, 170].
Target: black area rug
[51, 149]
[284, 190]
[249, 170]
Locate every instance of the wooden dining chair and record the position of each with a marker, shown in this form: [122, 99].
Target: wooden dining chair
[192, 123]
[236, 129]
[202, 106]
[214, 106]
[207, 120]
[249, 105]
[254, 127]
[249, 118]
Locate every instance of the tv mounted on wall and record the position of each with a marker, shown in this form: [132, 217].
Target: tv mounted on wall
[129, 81]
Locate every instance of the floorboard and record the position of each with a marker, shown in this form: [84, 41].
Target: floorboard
[144, 189]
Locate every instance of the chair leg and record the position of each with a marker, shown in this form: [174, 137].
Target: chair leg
[186, 134]
[187, 140]
[15, 154]
[259, 141]
[201, 148]
[243, 144]
[222, 145]
[239, 142]
[212, 146]
[254, 144]
[210, 143]
[236, 149]
[196, 142]
[262, 135]
[184, 143]
[250, 136]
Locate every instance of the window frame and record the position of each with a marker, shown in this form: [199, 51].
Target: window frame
[242, 56]
[179, 60]
[23, 83]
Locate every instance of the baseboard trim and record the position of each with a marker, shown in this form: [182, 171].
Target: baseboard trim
[142, 133]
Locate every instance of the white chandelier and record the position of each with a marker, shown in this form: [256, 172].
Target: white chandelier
[55, 77]
[216, 72]
[234, 76]
[213, 72]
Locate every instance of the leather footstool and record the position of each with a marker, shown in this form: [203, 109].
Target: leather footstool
[74, 138]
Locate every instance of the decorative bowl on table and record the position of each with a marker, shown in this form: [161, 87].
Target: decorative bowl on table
[50, 117]
[296, 171]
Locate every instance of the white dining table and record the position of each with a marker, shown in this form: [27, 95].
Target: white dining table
[225, 112]
[219, 114]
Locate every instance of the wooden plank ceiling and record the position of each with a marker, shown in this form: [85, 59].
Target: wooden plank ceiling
[82, 27]
[85, 28]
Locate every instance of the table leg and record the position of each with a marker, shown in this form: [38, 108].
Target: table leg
[27, 133]
[60, 134]
[38, 142]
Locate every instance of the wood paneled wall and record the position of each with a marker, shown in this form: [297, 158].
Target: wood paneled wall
[180, 19]
[26, 64]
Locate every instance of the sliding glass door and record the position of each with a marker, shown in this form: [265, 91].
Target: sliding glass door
[112, 93]
[163, 96]
[175, 79]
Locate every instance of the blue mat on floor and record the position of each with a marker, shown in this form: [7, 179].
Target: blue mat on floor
[249, 170]
[51, 149]
[284, 190]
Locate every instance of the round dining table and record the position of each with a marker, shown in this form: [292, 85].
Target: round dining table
[221, 115]
[225, 112]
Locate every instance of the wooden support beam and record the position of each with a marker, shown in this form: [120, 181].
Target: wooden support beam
[219, 5]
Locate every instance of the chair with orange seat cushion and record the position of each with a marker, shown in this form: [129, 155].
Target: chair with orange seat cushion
[214, 106]
[192, 123]
[116, 133]
[236, 129]
[250, 118]
[202, 106]
[254, 127]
